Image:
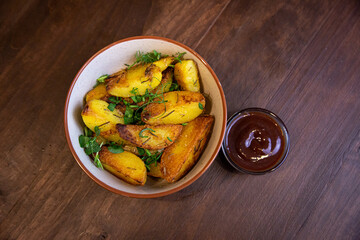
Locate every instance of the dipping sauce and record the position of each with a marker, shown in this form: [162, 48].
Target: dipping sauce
[256, 141]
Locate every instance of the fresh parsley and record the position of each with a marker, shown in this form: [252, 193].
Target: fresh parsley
[111, 106]
[169, 139]
[115, 148]
[201, 106]
[101, 79]
[91, 146]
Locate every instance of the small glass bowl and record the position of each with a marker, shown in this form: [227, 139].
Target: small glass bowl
[237, 116]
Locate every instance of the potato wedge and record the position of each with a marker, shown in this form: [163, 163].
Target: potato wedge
[155, 170]
[179, 107]
[166, 81]
[96, 113]
[150, 137]
[125, 165]
[164, 63]
[99, 92]
[181, 156]
[187, 75]
[141, 77]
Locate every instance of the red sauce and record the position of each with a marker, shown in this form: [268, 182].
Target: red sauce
[255, 141]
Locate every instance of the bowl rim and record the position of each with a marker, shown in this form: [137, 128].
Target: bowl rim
[152, 195]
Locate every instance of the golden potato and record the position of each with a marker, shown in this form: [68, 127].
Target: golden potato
[99, 92]
[125, 165]
[142, 77]
[166, 81]
[96, 113]
[150, 137]
[164, 62]
[187, 75]
[181, 156]
[179, 107]
[155, 170]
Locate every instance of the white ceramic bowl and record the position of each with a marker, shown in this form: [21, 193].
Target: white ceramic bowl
[111, 59]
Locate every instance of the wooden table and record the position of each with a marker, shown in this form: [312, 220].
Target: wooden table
[300, 59]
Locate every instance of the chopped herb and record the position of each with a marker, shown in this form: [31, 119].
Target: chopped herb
[174, 87]
[128, 115]
[147, 152]
[184, 124]
[144, 58]
[97, 161]
[142, 136]
[178, 56]
[91, 146]
[169, 139]
[97, 130]
[141, 151]
[87, 132]
[115, 100]
[111, 106]
[115, 148]
[171, 65]
[101, 79]
[201, 106]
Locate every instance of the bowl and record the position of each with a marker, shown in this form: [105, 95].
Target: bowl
[111, 59]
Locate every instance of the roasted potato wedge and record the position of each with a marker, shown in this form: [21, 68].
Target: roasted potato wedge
[178, 107]
[166, 81]
[141, 77]
[99, 92]
[155, 170]
[187, 75]
[164, 63]
[125, 165]
[150, 137]
[181, 156]
[96, 113]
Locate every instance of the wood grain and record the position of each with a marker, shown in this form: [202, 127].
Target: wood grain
[297, 58]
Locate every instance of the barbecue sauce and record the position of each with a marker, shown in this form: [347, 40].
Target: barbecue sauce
[255, 142]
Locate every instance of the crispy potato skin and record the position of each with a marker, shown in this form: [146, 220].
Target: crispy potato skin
[125, 165]
[151, 140]
[99, 92]
[141, 77]
[155, 170]
[181, 156]
[180, 107]
[187, 75]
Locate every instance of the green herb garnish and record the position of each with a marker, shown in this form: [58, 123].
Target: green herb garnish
[184, 124]
[178, 56]
[111, 106]
[144, 58]
[142, 136]
[91, 146]
[115, 148]
[201, 106]
[101, 79]
[141, 151]
[169, 139]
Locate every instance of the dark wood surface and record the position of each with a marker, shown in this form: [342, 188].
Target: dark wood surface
[300, 59]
